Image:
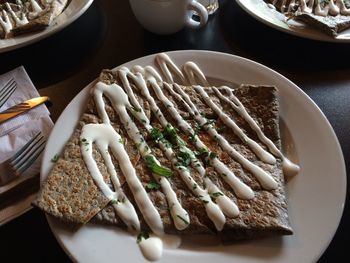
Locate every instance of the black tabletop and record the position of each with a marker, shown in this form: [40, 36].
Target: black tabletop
[108, 35]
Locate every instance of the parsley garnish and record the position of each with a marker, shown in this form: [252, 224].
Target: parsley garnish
[114, 202]
[55, 158]
[183, 219]
[156, 134]
[156, 168]
[217, 194]
[212, 155]
[183, 158]
[152, 186]
[142, 235]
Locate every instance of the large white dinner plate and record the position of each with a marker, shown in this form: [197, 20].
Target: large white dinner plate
[316, 195]
[74, 10]
[259, 10]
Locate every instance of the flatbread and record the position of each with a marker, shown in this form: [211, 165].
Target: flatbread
[70, 194]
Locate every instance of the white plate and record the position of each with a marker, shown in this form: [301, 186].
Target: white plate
[74, 10]
[259, 10]
[316, 195]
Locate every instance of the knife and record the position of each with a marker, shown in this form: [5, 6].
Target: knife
[22, 107]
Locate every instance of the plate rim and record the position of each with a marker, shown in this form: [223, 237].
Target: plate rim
[194, 53]
[316, 36]
[58, 25]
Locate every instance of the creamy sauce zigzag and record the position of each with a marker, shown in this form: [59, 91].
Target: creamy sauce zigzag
[218, 206]
[317, 7]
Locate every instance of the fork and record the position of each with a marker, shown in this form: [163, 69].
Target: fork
[22, 159]
[7, 91]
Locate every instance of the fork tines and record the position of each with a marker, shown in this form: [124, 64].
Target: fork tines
[26, 156]
[7, 91]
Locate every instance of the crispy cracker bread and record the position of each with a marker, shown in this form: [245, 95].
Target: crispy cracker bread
[266, 214]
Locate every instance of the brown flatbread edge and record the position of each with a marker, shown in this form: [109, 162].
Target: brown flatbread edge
[332, 26]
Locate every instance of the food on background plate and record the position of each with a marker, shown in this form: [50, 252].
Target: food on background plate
[157, 157]
[329, 16]
[25, 16]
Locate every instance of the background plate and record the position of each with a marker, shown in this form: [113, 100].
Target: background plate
[316, 195]
[74, 10]
[259, 10]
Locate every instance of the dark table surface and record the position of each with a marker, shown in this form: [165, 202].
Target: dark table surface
[108, 35]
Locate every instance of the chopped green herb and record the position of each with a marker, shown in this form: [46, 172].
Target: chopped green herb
[193, 138]
[142, 235]
[143, 120]
[121, 141]
[156, 168]
[223, 174]
[194, 186]
[217, 194]
[171, 206]
[205, 201]
[212, 155]
[183, 219]
[168, 106]
[83, 140]
[55, 158]
[220, 129]
[156, 134]
[183, 158]
[152, 186]
[114, 202]
[170, 132]
[136, 109]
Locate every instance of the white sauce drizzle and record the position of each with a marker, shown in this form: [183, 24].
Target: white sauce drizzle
[5, 22]
[120, 101]
[19, 21]
[105, 138]
[255, 147]
[167, 66]
[241, 189]
[213, 210]
[317, 7]
[151, 248]
[264, 178]
[289, 168]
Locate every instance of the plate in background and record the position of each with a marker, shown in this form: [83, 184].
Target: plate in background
[260, 11]
[73, 11]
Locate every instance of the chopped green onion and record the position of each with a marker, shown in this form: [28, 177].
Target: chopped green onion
[183, 219]
[212, 155]
[114, 201]
[152, 186]
[142, 235]
[217, 194]
[156, 168]
[183, 158]
[156, 134]
[55, 158]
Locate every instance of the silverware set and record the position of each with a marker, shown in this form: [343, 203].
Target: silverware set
[24, 157]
